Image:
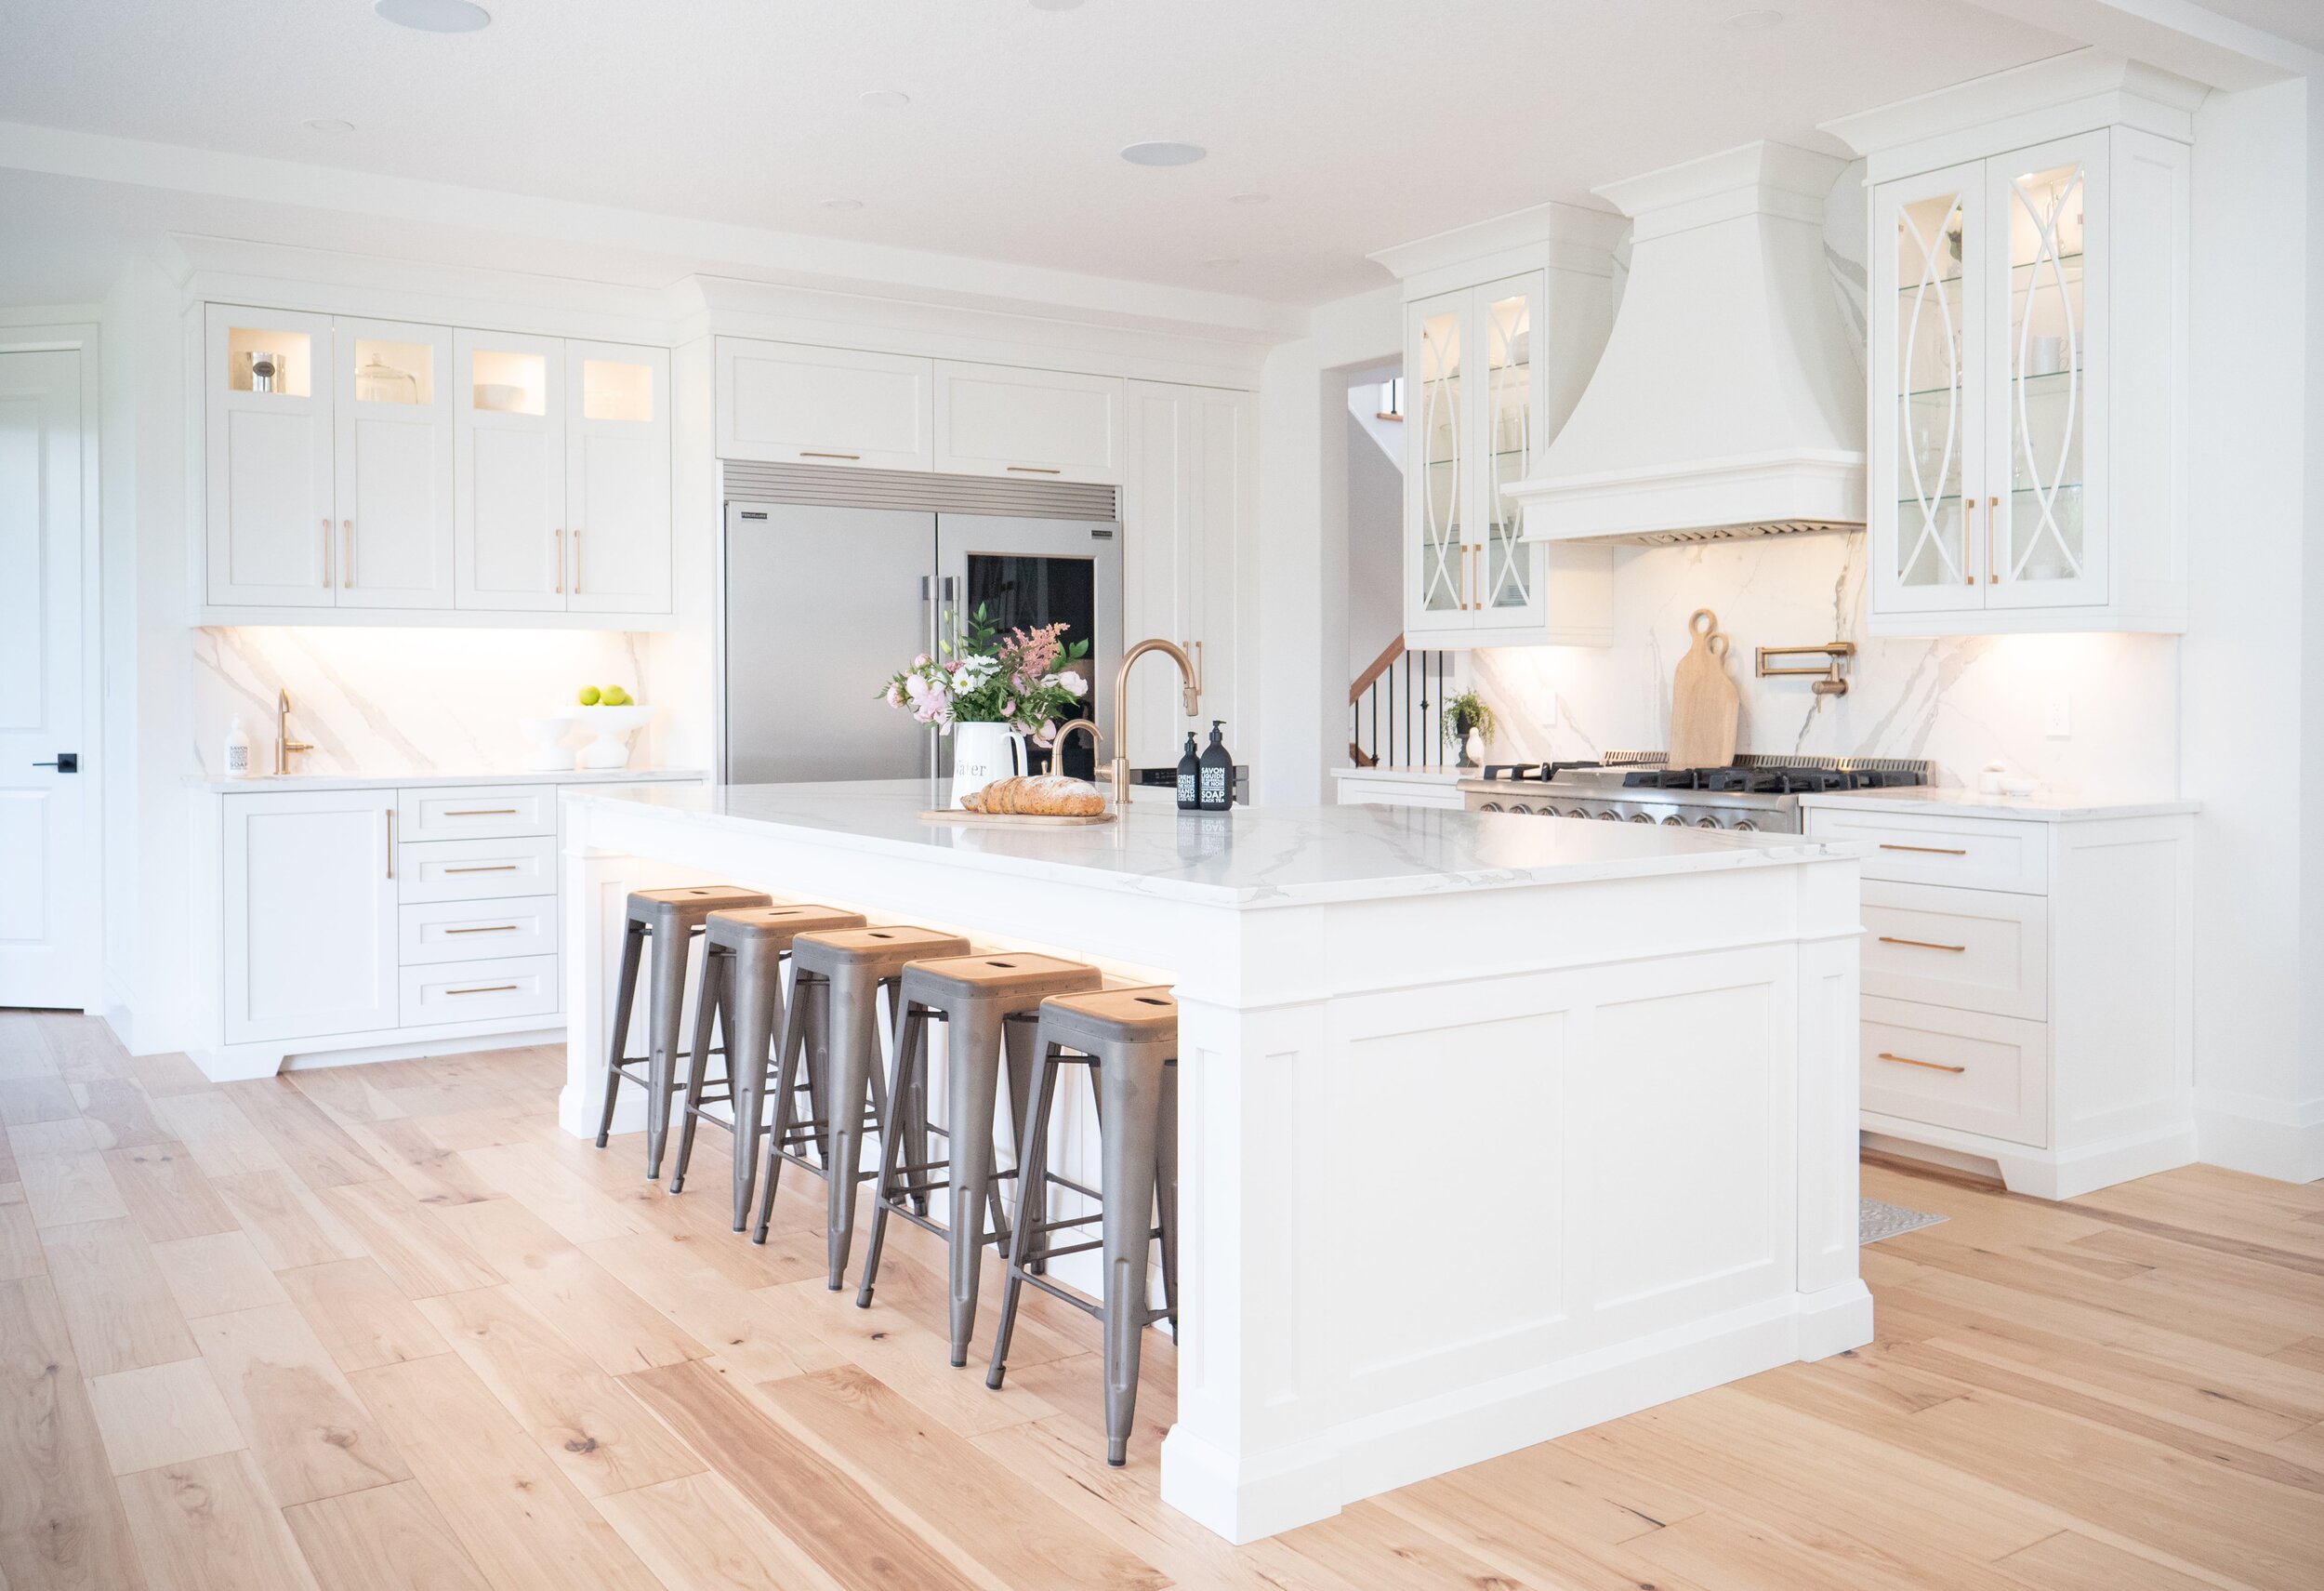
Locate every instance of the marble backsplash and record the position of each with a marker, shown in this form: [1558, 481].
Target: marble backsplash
[385, 701]
[1964, 701]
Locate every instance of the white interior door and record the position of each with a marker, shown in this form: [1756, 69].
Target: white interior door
[46, 885]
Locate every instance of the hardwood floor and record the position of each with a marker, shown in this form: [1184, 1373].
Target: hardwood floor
[387, 1327]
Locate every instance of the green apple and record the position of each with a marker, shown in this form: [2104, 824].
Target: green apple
[588, 695]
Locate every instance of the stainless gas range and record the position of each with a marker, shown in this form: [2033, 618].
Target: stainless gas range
[1758, 792]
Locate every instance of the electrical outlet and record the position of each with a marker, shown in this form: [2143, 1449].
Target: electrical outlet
[2057, 720]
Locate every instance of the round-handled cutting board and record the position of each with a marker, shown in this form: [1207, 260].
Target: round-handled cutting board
[1703, 702]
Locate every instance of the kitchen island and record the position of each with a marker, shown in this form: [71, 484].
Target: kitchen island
[1490, 1129]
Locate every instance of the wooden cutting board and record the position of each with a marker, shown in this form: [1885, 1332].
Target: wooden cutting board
[1012, 819]
[1703, 702]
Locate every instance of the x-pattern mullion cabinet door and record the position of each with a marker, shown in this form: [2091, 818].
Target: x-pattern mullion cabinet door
[510, 406]
[1439, 493]
[618, 479]
[271, 534]
[391, 405]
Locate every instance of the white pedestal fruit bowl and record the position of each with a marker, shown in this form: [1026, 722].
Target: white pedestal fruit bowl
[612, 726]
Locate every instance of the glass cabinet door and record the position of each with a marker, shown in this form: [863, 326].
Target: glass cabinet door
[2042, 550]
[1438, 451]
[1506, 583]
[1931, 238]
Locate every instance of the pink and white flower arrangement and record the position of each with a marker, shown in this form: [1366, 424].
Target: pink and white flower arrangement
[1021, 678]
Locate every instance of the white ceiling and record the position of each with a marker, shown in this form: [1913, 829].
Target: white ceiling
[1369, 122]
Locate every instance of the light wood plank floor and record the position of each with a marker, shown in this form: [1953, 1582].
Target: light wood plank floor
[387, 1327]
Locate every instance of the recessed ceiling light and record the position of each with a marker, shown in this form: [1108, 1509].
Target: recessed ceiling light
[331, 125]
[843, 203]
[1056, 5]
[434, 16]
[886, 98]
[1754, 21]
[1164, 152]
[1248, 198]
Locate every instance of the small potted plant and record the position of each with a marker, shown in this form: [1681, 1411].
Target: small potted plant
[988, 691]
[1469, 724]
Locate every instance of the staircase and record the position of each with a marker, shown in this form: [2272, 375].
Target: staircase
[1395, 709]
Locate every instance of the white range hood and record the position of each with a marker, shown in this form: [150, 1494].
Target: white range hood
[1729, 401]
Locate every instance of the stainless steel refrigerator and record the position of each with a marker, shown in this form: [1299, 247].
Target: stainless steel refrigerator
[819, 605]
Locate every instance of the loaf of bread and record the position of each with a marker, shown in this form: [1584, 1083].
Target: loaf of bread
[1044, 795]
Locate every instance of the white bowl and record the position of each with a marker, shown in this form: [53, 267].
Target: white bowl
[612, 726]
[544, 755]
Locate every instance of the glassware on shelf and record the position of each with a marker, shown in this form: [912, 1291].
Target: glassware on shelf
[393, 372]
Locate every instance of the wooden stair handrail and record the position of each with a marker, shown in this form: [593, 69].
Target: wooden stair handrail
[1380, 665]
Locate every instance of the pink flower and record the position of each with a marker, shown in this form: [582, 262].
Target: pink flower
[921, 662]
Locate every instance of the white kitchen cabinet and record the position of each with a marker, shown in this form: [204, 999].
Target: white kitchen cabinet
[269, 492]
[309, 914]
[2028, 984]
[791, 404]
[1041, 425]
[1491, 372]
[2028, 369]
[618, 479]
[1187, 544]
[391, 419]
[509, 467]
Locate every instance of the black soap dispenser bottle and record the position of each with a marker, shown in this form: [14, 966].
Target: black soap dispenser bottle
[1189, 778]
[1218, 771]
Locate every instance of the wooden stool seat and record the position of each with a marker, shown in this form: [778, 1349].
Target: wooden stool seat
[734, 925]
[1127, 1014]
[1004, 972]
[690, 905]
[886, 949]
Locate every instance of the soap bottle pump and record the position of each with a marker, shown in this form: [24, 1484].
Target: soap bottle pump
[1189, 778]
[1218, 771]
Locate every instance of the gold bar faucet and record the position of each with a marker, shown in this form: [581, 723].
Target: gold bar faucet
[1190, 693]
[284, 744]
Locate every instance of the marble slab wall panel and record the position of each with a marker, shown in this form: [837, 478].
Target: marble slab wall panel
[1964, 701]
[388, 700]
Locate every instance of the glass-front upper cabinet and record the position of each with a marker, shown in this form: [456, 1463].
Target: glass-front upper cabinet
[1474, 419]
[272, 503]
[392, 414]
[2028, 327]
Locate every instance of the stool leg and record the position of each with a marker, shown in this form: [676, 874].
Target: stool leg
[756, 1015]
[854, 1057]
[1018, 1045]
[1032, 1206]
[806, 998]
[625, 994]
[1131, 1086]
[910, 1058]
[709, 991]
[665, 1011]
[971, 1078]
[1166, 1178]
[817, 1053]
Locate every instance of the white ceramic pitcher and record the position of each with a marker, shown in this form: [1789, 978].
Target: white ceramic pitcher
[981, 753]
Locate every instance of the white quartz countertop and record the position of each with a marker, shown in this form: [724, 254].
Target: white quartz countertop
[414, 781]
[1253, 856]
[1435, 772]
[2040, 807]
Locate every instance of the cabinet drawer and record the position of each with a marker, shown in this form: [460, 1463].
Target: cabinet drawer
[1962, 1069]
[1034, 425]
[477, 992]
[476, 811]
[466, 930]
[1975, 949]
[475, 869]
[1976, 852]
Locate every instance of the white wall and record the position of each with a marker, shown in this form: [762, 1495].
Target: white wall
[1375, 523]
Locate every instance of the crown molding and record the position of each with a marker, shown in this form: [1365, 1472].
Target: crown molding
[2074, 92]
[1575, 238]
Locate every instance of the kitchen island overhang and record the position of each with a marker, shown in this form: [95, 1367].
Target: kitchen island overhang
[1490, 1129]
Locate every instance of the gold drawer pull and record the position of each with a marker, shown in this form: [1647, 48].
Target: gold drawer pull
[495, 928]
[496, 867]
[1033, 469]
[494, 989]
[483, 812]
[1919, 944]
[1908, 1061]
[1931, 849]
[806, 452]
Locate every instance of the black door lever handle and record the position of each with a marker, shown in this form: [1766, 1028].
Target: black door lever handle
[66, 762]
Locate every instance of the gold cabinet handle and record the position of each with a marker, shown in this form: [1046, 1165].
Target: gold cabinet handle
[493, 988]
[1992, 507]
[347, 552]
[1921, 944]
[1033, 469]
[807, 453]
[327, 552]
[559, 589]
[1932, 1065]
[1968, 507]
[496, 867]
[1926, 849]
[483, 812]
[494, 928]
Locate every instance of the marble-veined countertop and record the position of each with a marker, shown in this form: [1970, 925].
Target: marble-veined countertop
[2043, 806]
[1253, 855]
[416, 781]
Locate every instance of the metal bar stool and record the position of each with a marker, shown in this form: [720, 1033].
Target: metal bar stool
[836, 976]
[976, 996]
[1129, 1037]
[743, 952]
[671, 917]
